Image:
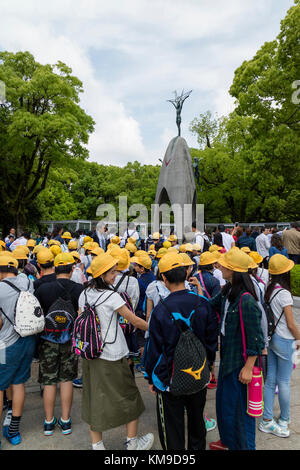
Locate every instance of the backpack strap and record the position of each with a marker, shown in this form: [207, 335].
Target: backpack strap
[271, 300]
[2, 311]
[13, 286]
[203, 285]
[120, 282]
[176, 321]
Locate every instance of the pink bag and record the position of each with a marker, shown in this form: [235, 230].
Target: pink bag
[255, 404]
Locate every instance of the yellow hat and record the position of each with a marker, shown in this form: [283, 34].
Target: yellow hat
[97, 251]
[235, 260]
[31, 243]
[54, 242]
[161, 252]
[252, 264]
[170, 261]
[155, 236]
[172, 238]
[182, 248]
[115, 240]
[123, 259]
[89, 246]
[113, 249]
[141, 253]
[2, 245]
[186, 259]
[23, 248]
[207, 258]
[73, 245]
[217, 254]
[45, 255]
[132, 240]
[19, 253]
[131, 247]
[143, 260]
[196, 247]
[167, 244]
[213, 248]
[64, 259]
[280, 264]
[172, 249]
[152, 247]
[55, 249]
[245, 249]
[8, 261]
[37, 248]
[152, 253]
[101, 264]
[75, 254]
[188, 247]
[256, 257]
[66, 235]
[87, 240]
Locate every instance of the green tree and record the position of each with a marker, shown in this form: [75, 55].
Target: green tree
[42, 126]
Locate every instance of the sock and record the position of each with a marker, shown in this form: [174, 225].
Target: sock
[49, 422]
[14, 425]
[63, 421]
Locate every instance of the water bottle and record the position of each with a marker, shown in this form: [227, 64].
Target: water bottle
[255, 405]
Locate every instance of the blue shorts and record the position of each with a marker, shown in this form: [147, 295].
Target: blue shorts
[15, 363]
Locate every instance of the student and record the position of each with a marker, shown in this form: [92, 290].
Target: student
[260, 273]
[163, 338]
[210, 285]
[78, 275]
[236, 427]
[15, 370]
[281, 347]
[45, 262]
[66, 237]
[277, 246]
[57, 364]
[246, 240]
[263, 246]
[110, 396]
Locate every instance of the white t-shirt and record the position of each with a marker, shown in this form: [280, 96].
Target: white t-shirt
[131, 286]
[156, 291]
[78, 276]
[228, 240]
[217, 273]
[282, 299]
[263, 245]
[263, 274]
[111, 330]
[128, 234]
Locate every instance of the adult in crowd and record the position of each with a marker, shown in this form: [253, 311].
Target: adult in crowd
[12, 233]
[21, 241]
[227, 239]
[277, 246]
[100, 235]
[246, 240]
[291, 241]
[263, 246]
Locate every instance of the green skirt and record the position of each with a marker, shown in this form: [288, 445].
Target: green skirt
[110, 396]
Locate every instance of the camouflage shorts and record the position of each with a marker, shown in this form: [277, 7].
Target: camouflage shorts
[57, 363]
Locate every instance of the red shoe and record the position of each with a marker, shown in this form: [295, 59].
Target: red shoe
[217, 446]
[213, 383]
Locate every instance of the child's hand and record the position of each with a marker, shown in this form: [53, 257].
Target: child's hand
[151, 388]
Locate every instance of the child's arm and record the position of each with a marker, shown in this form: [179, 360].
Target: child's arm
[132, 318]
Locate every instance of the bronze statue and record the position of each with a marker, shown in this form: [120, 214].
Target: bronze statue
[178, 103]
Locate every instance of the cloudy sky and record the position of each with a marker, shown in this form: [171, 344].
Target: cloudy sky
[132, 54]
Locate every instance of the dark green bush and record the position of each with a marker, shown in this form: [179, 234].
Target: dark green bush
[295, 280]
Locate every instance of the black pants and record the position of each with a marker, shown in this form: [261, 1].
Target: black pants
[266, 262]
[170, 419]
[295, 258]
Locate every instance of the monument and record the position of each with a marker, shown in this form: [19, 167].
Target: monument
[176, 185]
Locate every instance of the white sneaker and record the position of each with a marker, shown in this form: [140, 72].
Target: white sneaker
[283, 423]
[98, 446]
[271, 427]
[7, 419]
[141, 443]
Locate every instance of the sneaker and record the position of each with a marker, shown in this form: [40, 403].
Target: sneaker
[14, 439]
[77, 383]
[66, 428]
[140, 368]
[210, 423]
[140, 443]
[218, 445]
[7, 419]
[271, 427]
[283, 423]
[98, 446]
[49, 427]
[213, 383]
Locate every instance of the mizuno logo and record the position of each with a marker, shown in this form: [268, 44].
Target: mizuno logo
[194, 373]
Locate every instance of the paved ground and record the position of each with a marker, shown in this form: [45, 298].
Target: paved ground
[32, 421]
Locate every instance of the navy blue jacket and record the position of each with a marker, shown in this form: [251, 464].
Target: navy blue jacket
[212, 284]
[144, 281]
[164, 335]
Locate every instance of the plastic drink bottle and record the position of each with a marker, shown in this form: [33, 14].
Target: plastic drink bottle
[255, 405]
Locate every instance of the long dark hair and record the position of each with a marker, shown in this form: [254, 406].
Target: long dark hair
[218, 239]
[56, 231]
[97, 283]
[276, 241]
[241, 282]
[284, 280]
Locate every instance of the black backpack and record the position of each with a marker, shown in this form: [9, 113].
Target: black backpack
[190, 372]
[270, 316]
[59, 320]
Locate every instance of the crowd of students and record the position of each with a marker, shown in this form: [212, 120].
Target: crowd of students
[144, 296]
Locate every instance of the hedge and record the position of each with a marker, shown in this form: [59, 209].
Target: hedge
[295, 280]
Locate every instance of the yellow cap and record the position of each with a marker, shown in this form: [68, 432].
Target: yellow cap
[66, 235]
[213, 248]
[182, 248]
[19, 253]
[64, 259]
[257, 258]
[152, 253]
[45, 255]
[113, 250]
[161, 252]
[97, 251]
[252, 264]
[101, 264]
[73, 245]
[31, 243]
[123, 259]
[75, 254]
[116, 240]
[172, 249]
[207, 258]
[280, 264]
[37, 248]
[186, 259]
[8, 261]
[155, 236]
[54, 242]
[235, 260]
[245, 249]
[87, 240]
[196, 247]
[89, 246]
[172, 238]
[170, 261]
[55, 249]
[2, 245]
[143, 260]
[167, 244]
[188, 247]
[141, 253]
[132, 240]
[131, 247]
